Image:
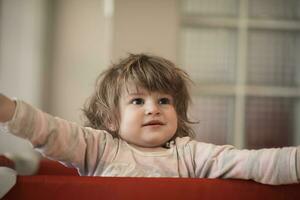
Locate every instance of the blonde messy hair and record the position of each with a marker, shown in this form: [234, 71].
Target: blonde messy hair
[152, 73]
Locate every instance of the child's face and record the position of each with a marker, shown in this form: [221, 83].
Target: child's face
[147, 119]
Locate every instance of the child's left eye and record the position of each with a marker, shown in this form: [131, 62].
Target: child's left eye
[137, 101]
[164, 101]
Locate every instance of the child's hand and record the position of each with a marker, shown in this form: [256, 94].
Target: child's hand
[7, 108]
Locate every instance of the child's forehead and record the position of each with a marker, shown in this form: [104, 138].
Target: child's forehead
[134, 89]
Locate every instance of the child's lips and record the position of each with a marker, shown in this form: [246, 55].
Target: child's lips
[154, 123]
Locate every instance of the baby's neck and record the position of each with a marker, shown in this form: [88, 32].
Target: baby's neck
[148, 149]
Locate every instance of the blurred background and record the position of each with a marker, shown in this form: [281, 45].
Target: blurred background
[243, 56]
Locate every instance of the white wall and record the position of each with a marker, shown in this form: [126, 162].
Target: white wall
[22, 40]
[146, 26]
[22, 45]
[79, 54]
[74, 41]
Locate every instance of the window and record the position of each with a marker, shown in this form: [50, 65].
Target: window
[244, 57]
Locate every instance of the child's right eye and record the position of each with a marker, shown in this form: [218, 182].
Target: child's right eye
[137, 101]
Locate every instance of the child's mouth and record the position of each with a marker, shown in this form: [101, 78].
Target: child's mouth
[154, 123]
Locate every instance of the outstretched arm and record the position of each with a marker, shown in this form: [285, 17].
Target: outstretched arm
[76, 146]
[269, 166]
[7, 108]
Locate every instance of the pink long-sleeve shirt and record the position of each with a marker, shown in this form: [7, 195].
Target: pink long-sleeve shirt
[97, 153]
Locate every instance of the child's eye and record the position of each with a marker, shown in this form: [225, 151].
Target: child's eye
[164, 101]
[137, 101]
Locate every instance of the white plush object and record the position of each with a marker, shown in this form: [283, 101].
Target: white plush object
[8, 179]
[26, 163]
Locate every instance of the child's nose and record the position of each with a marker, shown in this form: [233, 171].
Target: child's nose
[152, 109]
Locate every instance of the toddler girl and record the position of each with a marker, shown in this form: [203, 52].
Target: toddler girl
[137, 125]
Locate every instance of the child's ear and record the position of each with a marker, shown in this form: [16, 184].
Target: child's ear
[112, 123]
[112, 127]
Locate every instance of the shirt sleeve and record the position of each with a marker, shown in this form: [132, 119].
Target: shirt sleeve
[269, 166]
[58, 139]
[298, 163]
